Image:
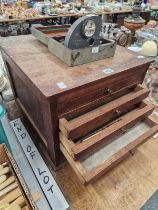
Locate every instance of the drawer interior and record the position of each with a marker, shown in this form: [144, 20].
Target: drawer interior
[97, 162]
[115, 144]
[75, 128]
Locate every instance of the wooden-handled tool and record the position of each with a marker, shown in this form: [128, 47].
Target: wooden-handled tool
[8, 189]
[3, 178]
[10, 197]
[9, 181]
[5, 164]
[4, 171]
[19, 201]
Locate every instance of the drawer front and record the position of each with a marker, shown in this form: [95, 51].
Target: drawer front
[104, 89]
[105, 157]
[88, 122]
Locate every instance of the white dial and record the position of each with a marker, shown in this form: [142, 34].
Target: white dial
[89, 28]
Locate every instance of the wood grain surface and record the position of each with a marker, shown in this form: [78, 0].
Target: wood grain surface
[44, 70]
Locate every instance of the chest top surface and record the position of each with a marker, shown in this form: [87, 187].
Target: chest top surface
[48, 73]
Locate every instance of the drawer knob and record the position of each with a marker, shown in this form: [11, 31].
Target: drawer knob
[118, 111]
[123, 130]
[109, 91]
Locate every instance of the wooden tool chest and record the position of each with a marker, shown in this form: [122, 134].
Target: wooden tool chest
[94, 114]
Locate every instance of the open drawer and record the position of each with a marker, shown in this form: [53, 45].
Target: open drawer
[97, 138]
[82, 125]
[97, 162]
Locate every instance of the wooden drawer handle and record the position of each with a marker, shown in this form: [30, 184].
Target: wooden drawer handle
[109, 91]
[118, 112]
[123, 130]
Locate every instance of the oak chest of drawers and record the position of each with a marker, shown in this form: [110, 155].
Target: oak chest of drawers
[94, 114]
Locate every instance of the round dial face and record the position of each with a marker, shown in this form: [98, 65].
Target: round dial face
[89, 28]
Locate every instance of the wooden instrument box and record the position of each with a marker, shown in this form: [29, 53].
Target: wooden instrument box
[55, 40]
[94, 114]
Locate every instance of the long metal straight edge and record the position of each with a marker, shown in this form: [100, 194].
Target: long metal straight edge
[24, 165]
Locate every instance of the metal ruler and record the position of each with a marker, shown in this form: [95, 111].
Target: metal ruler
[48, 184]
[25, 168]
